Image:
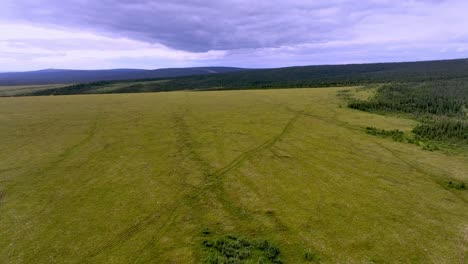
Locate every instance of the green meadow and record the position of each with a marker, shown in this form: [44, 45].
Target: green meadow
[19, 90]
[258, 176]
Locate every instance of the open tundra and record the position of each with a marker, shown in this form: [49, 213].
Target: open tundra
[277, 175]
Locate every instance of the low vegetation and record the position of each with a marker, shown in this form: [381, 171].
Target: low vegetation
[401, 136]
[234, 250]
[395, 134]
[311, 256]
[26, 90]
[164, 177]
[456, 185]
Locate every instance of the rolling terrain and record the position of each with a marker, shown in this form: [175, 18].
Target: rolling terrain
[291, 77]
[18, 90]
[282, 176]
[58, 76]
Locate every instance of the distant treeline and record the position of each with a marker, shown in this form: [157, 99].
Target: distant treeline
[436, 97]
[292, 77]
[57, 76]
[441, 106]
[81, 88]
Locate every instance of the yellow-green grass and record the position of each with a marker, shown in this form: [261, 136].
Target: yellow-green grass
[16, 90]
[122, 85]
[137, 178]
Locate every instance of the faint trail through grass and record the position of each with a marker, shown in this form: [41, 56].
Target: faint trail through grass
[159, 174]
[463, 246]
[215, 179]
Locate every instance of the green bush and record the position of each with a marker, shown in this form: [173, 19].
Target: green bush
[311, 256]
[456, 185]
[395, 134]
[231, 249]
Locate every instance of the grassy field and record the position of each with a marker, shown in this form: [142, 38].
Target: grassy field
[92, 88]
[18, 90]
[110, 88]
[159, 177]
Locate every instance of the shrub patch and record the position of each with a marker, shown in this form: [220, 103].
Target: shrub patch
[232, 250]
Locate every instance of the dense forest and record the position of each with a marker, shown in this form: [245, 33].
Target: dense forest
[441, 106]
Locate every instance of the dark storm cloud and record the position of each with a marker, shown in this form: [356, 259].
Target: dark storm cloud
[196, 25]
[264, 33]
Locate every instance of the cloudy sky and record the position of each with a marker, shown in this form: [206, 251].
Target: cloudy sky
[96, 34]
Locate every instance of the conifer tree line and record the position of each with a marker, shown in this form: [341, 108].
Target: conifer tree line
[441, 106]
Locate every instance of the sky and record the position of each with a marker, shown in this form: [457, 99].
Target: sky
[150, 34]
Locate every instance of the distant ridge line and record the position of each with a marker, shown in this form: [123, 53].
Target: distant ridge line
[65, 76]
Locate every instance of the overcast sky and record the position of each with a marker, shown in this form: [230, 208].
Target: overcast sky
[96, 34]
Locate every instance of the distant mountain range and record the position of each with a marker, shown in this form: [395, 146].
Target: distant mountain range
[225, 78]
[60, 76]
